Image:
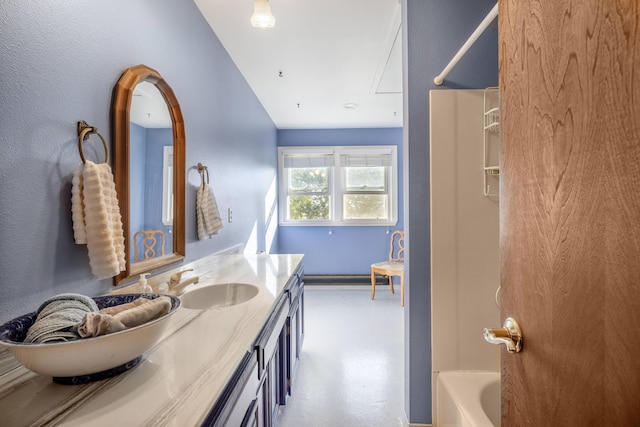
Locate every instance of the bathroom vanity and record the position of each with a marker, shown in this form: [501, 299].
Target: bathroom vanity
[263, 380]
[230, 366]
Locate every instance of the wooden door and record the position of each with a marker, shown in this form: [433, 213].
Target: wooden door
[570, 211]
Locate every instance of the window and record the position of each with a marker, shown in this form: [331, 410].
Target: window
[338, 185]
[167, 185]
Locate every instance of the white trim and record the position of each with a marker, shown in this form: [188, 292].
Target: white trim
[167, 185]
[336, 185]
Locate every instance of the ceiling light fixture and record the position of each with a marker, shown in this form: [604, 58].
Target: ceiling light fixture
[350, 106]
[262, 16]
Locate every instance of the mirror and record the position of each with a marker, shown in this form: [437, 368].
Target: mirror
[149, 170]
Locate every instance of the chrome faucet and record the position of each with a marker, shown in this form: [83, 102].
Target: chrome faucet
[176, 287]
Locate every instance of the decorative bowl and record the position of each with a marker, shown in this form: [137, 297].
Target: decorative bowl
[88, 359]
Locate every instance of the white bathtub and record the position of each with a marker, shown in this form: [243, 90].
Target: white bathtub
[468, 399]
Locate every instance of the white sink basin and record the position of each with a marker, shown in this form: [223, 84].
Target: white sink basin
[224, 295]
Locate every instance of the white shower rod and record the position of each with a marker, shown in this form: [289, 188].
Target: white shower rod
[439, 79]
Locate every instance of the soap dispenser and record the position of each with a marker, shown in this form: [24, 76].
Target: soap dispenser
[144, 286]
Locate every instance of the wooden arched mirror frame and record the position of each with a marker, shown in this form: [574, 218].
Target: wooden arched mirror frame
[122, 167]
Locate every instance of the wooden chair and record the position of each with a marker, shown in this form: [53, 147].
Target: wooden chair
[393, 267]
[150, 241]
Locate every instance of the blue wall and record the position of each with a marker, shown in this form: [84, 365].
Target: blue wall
[433, 31]
[59, 65]
[146, 148]
[137, 148]
[347, 250]
[60, 62]
[157, 139]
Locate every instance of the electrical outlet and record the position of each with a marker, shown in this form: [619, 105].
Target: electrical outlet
[230, 215]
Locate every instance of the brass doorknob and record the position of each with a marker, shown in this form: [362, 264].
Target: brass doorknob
[509, 335]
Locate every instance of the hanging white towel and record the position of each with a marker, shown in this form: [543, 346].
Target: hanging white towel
[77, 209]
[207, 213]
[96, 219]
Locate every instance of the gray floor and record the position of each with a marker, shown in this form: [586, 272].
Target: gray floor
[351, 369]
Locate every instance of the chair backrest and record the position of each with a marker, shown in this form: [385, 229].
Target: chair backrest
[396, 251]
[152, 242]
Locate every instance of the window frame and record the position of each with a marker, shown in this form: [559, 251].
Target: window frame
[167, 185]
[337, 184]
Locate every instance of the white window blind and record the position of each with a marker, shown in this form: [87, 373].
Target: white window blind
[308, 161]
[364, 160]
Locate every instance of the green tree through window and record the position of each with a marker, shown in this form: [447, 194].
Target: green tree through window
[309, 207]
[308, 193]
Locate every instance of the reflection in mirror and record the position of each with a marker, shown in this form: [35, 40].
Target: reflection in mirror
[150, 183]
[149, 170]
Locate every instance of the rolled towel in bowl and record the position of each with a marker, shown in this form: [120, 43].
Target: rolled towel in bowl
[122, 307]
[58, 317]
[137, 313]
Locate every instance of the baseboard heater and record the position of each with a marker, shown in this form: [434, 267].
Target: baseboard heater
[339, 279]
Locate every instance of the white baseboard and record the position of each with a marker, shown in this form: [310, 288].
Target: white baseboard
[232, 250]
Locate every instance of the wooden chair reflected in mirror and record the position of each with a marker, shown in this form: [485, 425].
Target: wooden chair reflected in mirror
[150, 241]
[393, 267]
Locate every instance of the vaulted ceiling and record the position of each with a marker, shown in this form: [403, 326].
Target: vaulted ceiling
[321, 58]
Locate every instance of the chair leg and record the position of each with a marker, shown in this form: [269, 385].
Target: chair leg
[402, 289]
[393, 291]
[373, 284]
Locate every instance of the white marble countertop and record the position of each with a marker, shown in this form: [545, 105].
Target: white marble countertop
[179, 379]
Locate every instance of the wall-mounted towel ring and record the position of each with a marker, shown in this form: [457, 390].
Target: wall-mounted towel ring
[84, 131]
[202, 169]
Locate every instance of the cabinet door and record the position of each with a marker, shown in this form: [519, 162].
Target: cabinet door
[283, 364]
[300, 337]
[262, 397]
[269, 392]
[293, 346]
[237, 396]
[251, 417]
[271, 400]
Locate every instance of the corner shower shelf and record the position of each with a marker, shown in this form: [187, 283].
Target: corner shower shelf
[491, 142]
[492, 170]
[492, 120]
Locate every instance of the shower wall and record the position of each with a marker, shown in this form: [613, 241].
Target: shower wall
[465, 269]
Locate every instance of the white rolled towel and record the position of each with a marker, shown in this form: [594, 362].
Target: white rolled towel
[131, 315]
